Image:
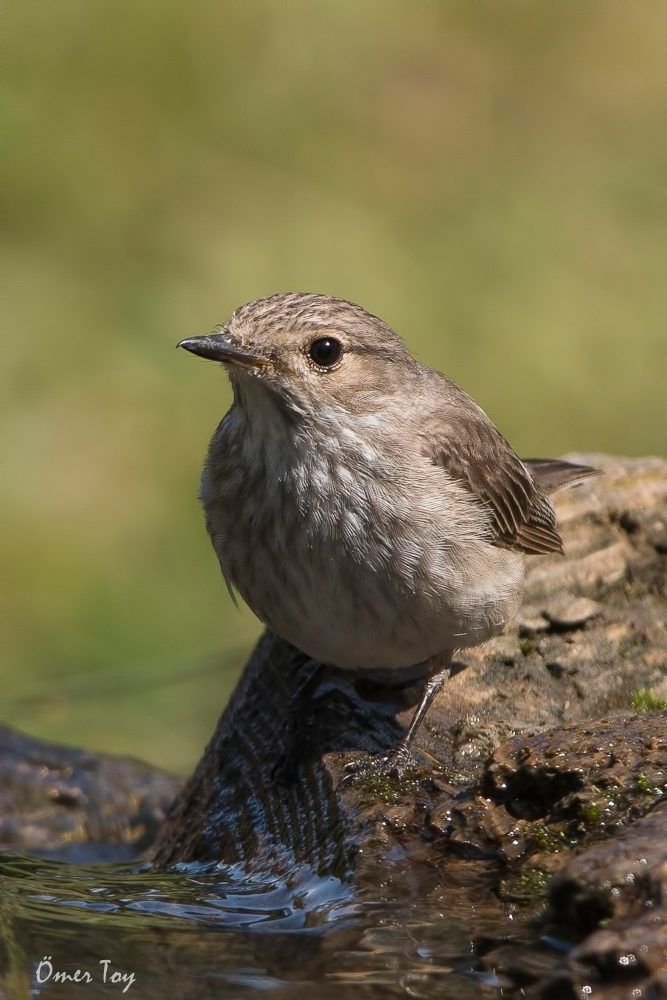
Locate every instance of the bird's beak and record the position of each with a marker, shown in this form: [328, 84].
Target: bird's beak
[218, 347]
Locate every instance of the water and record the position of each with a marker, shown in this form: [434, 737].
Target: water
[203, 931]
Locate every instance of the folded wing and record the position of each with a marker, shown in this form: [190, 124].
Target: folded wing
[467, 445]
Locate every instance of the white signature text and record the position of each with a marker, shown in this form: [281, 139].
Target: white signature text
[45, 972]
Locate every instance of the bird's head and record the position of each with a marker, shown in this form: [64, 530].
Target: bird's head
[306, 353]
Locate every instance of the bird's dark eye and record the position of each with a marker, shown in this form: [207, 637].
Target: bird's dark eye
[325, 352]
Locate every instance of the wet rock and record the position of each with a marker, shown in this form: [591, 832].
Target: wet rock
[587, 774]
[614, 897]
[591, 633]
[541, 796]
[621, 963]
[74, 805]
[621, 878]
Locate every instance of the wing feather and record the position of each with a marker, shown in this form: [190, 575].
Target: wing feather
[467, 445]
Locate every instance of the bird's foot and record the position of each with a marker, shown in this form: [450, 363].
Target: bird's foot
[380, 766]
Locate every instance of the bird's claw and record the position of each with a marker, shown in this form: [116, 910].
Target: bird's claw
[391, 765]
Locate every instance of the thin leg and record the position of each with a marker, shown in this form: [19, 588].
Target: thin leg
[440, 667]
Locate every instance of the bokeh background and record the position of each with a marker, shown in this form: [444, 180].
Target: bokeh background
[484, 176]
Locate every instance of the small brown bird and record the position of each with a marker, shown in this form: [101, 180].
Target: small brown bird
[362, 504]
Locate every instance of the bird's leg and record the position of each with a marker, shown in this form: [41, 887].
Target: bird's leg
[440, 667]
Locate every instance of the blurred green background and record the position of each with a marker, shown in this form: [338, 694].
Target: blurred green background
[484, 176]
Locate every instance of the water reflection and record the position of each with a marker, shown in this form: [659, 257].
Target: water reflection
[208, 931]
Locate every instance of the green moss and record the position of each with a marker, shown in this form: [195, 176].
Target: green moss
[376, 785]
[526, 646]
[642, 784]
[382, 788]
[545, 839]
[591, 812]
[645, 700]
[541, 837]
[529, 886]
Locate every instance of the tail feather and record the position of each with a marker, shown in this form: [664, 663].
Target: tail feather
[552, 474]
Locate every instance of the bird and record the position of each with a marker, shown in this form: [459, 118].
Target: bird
[364, 507]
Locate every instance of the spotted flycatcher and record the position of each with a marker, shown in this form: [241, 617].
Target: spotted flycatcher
[362, 504]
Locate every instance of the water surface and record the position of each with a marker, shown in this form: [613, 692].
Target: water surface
[212, 931]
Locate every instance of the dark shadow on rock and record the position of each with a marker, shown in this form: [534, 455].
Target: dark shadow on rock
[263, 793]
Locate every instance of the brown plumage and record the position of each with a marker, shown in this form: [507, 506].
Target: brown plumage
[362, 504]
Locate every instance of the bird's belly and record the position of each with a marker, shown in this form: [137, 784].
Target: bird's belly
[374, 619]
[363, 570]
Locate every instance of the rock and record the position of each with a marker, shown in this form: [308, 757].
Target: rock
[620, 878]
[73, 805]
[616, 963]
[621, 884]
[530, 627]
[572, 613]
[293, 726]
[590, 774]
[539, 797]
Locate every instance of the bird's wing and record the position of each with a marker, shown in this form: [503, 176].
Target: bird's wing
[466, 444]
[553, 474]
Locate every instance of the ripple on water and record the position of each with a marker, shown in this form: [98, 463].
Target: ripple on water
[205, 931]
